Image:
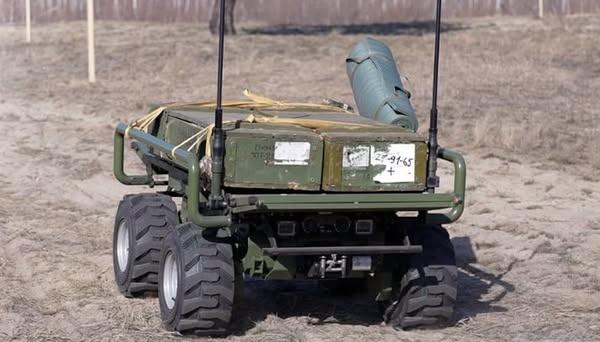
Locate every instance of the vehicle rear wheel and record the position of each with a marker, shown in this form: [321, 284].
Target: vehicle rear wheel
[427, 292]
[239, 283]
[142, 221]
[197, 281]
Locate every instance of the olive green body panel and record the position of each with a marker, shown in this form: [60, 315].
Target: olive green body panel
[256, 264]
[384, 159]
[291, 157]
[273, 158]
[175, 130]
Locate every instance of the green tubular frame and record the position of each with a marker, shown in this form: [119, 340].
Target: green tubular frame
[298, 202]
[189, 159]
[460, 181]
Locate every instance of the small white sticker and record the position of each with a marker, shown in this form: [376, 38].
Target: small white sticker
[399, 162]
[291, 153]
[356, 156]
[361, 263]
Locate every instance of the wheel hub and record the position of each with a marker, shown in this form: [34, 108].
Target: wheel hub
[122, 246]
[170, 280]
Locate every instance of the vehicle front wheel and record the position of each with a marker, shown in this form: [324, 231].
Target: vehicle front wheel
[426, 294]
[197, 281]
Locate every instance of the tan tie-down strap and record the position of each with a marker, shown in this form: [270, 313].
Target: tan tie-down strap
[257, 102]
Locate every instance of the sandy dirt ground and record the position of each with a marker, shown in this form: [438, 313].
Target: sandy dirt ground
[519, 97]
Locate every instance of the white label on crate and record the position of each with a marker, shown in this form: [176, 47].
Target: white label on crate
[398, 161]
[291, 153]
[355, 157]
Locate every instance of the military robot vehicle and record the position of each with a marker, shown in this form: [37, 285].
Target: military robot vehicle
[283, 190]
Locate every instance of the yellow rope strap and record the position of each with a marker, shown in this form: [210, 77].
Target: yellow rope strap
[146, 120]
[262, 102]
[256, 101]
[206, 132]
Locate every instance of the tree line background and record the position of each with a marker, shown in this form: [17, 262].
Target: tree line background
[287, 11]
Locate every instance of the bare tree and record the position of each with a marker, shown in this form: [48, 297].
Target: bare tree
[214, 18]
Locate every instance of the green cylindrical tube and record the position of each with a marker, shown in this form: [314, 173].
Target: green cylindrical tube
[378, 90]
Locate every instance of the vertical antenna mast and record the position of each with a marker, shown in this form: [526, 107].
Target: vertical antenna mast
[216, 200]
[433, 180]
[219, 110]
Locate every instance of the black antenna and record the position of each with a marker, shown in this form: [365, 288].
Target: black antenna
[433, 181]
[219, 110]
[218, 147]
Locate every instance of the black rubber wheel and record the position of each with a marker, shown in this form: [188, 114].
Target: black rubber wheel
[197, 281]
[426, 295]
[141, 223]
[238, 297]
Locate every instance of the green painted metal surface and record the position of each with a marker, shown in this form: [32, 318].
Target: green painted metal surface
[251, 163]
[182, 156]
[300, 202]
[362, 201]
[374, 159]
[273, 158]
[460, 184]
[288, 157]
[256, 264]
[378, 90]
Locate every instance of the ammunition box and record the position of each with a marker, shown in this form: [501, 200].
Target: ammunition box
[373, 159]
[273, 157]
